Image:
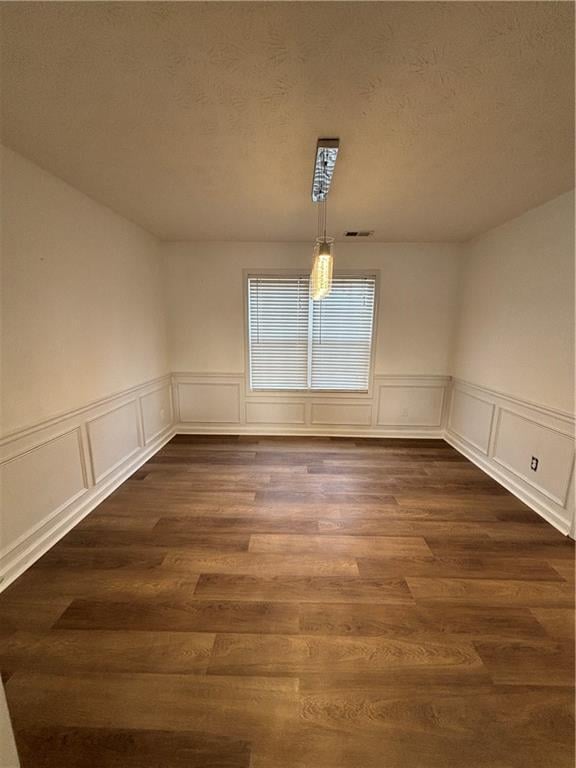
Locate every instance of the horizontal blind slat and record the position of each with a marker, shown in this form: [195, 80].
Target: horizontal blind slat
[341, 337]
[278, 332]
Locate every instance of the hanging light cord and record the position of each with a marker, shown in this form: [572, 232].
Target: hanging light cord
[319, 227]
[325, 203]
[322, 206]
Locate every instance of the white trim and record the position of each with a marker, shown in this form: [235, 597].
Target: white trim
[414, 379]
[281, 430]
[561, 501]
[30, 534]
[309, 399]
[19, 554]
[538, 505]
[310, 394]
[167, 385]
[555, 509]
[209, 377]
[545, 409]
[16, 454]
[395, 385]
[52, 529]
[265, 402]
[323, 423]
[462, 437]
[65, 415]
[139, 436]
[214, 384]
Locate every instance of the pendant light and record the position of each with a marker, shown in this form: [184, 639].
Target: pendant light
[323, 263]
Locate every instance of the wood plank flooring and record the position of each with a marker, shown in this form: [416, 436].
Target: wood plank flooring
[297, 603]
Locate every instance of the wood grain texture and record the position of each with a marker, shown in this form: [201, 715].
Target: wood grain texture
[65, 651]
[349, 546]
[53, 747]
[182, 616]
[297, 603]
[558, 622]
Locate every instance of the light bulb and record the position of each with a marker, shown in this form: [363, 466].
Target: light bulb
[321, 275]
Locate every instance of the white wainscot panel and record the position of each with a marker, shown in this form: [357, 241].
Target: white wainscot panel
[40, 483]
[471, 419]
[156, 412]
[342, 414]
[209, 403]
[113, 439]
[275, 413]
[413, 406]
[518, 439]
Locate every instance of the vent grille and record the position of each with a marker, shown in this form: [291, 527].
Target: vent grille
[359, 233]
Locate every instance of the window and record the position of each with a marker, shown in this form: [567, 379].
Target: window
[297, 343]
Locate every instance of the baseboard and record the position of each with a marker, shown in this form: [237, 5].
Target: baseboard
[282, 431]
[21, 557]
[527, 447]
[484, 463]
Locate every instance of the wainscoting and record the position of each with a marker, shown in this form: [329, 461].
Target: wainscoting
[54, 473]
[498, 432]
[395, 406]
[502, 434]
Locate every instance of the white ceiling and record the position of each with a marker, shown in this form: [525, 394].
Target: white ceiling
[199, 120]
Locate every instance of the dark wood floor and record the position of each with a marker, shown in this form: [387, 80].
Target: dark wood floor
[297, 604]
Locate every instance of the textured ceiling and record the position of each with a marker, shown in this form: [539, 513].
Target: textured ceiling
[199, 120]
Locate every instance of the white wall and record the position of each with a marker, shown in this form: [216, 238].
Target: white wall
[417, 310]
[513, 396]
[85, 389]
[516, 323]
[206, 313]
[82, 311]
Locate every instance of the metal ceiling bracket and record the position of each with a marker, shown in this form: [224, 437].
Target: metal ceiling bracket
[324, 163]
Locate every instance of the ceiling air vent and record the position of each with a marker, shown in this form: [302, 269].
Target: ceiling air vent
[359, 233]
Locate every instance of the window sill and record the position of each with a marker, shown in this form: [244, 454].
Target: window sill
[309, 393]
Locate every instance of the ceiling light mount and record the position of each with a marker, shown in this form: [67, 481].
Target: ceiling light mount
[324, 163]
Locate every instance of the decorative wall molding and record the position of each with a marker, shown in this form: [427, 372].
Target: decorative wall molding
[471, 418]
[156, 410]
[545, 410]
[55, 473]
[501, 434]
[349, 413]
[395, 406]
[8, 437]
[425, 397]
[114, 437]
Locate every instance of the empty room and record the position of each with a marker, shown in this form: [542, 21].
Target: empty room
[287, 385]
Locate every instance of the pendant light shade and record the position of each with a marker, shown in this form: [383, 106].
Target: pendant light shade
[322, 267]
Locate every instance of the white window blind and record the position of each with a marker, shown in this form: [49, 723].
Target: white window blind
[297, 343]
[342, 335]
[278, 309]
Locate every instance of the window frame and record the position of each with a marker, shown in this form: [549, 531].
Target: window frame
[309, 393]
